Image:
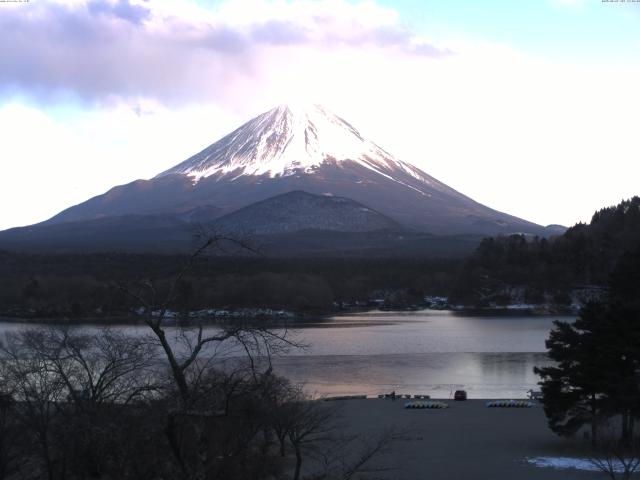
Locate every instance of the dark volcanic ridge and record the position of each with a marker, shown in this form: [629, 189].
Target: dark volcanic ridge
[289, 225]
[298, 210]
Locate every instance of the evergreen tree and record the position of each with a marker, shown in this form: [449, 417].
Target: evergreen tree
[583, 255]
[573, 389]
[597, 371]
[624, 341]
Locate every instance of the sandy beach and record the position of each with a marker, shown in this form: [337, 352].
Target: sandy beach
[465, 441]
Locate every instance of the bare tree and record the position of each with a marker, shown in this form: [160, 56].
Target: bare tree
[99, 406]
[348, 457]
[10, 436]
[284, 404]
[310, 424]
[38, 397]
[219, 414]
[71, 390]
[110, 367]
[616, 457]
[313, 430]
[256, 341]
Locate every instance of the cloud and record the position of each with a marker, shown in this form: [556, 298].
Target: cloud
[102, 51]
[279, 32]
[121, 9]
[161, 80]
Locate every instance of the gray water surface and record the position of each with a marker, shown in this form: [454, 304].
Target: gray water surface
[424, 352]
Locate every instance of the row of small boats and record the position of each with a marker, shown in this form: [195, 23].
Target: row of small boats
[491, 404]
[510, 404]
[435, 405]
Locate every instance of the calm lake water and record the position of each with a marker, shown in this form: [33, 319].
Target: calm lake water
[425, 352]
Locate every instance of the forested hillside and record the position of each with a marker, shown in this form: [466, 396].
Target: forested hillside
[538, 270]
[85, 286]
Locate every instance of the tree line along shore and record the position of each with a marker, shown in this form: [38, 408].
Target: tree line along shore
[557, 274]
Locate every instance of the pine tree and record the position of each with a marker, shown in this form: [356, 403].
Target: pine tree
[597, 371]
[624, 341]
[573, 389]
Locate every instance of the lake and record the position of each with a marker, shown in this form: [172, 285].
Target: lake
[424, 352]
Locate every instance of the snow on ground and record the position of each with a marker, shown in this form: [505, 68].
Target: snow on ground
[563, 463]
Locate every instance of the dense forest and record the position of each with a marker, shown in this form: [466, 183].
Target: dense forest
[89, 286]
[538, 270]
[557, 271]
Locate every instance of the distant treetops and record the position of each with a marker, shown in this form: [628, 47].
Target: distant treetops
[584, 255]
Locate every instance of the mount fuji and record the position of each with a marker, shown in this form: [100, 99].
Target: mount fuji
[288, 149]
[290, 140]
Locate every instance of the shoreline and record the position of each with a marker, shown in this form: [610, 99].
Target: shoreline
[346, 398]
[298, 318]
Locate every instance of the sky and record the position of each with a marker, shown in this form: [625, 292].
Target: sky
[530, 107]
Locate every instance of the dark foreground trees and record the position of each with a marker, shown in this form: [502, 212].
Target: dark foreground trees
[573, 389]
[69, 396]
[105, 406]
[190, 403]
[597, 373]
[616, 459]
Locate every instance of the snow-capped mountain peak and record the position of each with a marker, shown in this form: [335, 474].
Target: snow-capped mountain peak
[306, 149]
[286, 140]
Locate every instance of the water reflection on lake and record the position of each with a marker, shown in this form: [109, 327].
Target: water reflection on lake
[427, 331]
[483, 375]
[426, 352]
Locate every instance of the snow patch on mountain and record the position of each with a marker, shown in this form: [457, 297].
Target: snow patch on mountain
[288, 140]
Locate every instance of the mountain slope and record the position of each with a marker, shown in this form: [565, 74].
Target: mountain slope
[309, 149]
[296, 224]
[289, 141]
[131, 233]
[296, 211]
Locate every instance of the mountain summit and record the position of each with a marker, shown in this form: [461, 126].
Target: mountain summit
[292, 149]
[287, 140]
